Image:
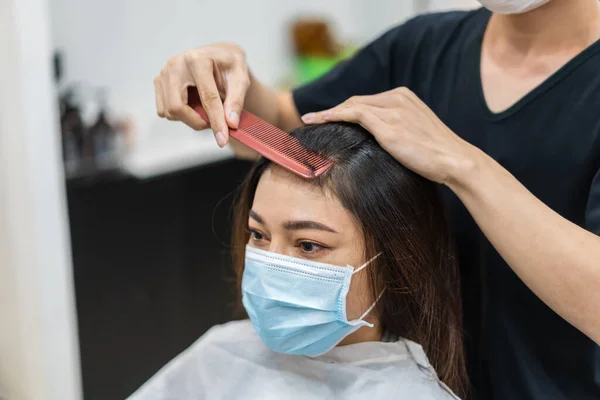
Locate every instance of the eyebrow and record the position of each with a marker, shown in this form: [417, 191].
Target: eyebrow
[252, 214]
[295, 225]
[298, 225]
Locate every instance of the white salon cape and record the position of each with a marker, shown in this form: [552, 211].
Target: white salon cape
[231, 362]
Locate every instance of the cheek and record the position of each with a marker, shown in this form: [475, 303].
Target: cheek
[359, 297]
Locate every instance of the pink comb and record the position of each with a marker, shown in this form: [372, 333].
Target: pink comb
[271, 142]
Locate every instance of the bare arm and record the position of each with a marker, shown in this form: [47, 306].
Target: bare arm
[558, 260]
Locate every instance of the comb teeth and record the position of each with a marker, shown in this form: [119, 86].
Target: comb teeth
[285, 143]
[282, 148]
[276, 145]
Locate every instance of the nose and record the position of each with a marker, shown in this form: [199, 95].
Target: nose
[279, 246]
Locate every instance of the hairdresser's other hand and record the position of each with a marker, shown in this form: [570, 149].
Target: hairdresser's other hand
[220, 73]
[406, 128]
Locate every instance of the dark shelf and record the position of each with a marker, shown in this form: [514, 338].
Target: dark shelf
[152, 270]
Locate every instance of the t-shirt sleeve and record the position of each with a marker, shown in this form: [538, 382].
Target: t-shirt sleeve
[592, 215]
[394, 59]
[369, 71]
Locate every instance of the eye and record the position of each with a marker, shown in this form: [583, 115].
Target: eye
[310, 247]
[255, 235]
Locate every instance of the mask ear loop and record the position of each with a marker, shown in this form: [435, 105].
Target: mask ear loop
[380, 294]
[367, 263]
[372, 305]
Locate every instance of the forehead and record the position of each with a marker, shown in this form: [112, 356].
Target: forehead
[281, 195]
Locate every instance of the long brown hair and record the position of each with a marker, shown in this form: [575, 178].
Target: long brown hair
[402, 217]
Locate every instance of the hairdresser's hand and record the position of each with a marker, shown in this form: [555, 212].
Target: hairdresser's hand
[220, 73]
[406, 128]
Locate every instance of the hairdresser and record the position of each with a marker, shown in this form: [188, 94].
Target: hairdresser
[501, 106]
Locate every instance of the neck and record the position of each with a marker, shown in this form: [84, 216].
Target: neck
[558, 24]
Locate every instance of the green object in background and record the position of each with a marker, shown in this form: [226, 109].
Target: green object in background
[311, 68]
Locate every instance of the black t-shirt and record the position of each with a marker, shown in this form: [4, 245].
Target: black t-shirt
[517, 347]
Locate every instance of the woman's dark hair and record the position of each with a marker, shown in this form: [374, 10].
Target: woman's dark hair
[402, 217]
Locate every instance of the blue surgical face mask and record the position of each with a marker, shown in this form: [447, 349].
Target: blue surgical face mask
[512, 6]
[298, 306]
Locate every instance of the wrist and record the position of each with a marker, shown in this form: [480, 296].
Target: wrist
[261, 100]
[464, 173]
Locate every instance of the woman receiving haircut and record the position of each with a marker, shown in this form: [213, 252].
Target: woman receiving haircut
[349, 281]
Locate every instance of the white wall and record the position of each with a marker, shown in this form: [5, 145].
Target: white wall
[122, 44]
[38, 341]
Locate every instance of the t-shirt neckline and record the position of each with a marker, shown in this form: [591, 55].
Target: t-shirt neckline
[546, 85]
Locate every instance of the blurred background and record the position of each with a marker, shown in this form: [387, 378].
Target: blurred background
[114, 224]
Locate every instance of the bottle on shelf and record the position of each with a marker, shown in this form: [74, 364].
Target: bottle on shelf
[72, 132]
[105, 137]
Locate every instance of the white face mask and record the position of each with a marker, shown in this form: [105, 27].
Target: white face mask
[512, 6]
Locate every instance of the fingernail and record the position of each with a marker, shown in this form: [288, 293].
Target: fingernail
[234, 117]
[308, 117]
[220, 139]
